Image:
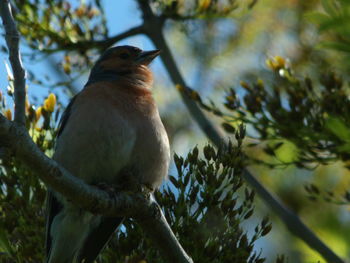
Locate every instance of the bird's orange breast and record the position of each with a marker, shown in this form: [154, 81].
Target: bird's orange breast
[118, 125]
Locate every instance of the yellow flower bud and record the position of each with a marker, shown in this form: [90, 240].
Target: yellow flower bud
[38, 113]
[93, 12]
[269, 63]
[281, 62]
[27, 105]
[244, 85]
[180, 88]
[50, 102]
[80, 11]
[195, 96]
[260, 82]
[276, 63]
[8, 114]
[67, 58]
[204, 4]
[67, 68]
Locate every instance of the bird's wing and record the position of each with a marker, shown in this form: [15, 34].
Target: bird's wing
[65, 117]
[98, 238]
[53, 207]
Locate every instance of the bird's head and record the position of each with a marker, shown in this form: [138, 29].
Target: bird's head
[124, 61]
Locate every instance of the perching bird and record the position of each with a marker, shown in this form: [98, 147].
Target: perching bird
[110, 133]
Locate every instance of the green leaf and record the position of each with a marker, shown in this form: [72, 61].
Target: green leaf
[317, 18]
[29, 12]
[345, 148]
[329, 7]
[345, 47]
[286, 152]
[174, 181]
[228, 127]
[5, 245]
[340, 24]
[337, 126]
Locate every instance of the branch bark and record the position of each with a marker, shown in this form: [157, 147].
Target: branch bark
[158, 230]
[140, 206]
[99, 201]
[154, 27]
[12, 41]
[14, 135]
[99, 44]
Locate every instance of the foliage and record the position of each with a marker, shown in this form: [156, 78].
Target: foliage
[49, 24]
[22, 195]
[185, 10]
[297, 118]
[336, 21]
[60, 26]
[202, 204]
[310, 116]
[53, 26]
[334, 25]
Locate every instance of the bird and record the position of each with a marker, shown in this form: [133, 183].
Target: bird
[110, 134]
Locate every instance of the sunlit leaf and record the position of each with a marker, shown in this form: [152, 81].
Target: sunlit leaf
[328, 6]
[338, 128]
[317, 18]
[286, 152]
[335, 45]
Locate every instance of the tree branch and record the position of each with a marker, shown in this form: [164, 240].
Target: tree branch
[100, 44]
[12, 41]
[131, 32]
[158, 230]
[139, 206]
[154, 29]
[96, 200]
[15, 136]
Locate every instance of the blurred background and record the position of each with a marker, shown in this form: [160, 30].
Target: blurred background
[215, 52]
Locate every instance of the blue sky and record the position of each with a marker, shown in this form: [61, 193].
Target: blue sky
[121, 15]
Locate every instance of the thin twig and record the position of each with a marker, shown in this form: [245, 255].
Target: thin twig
[290, 219]
[99, 44]
[153, 27]
[68, 84]
[12, 41]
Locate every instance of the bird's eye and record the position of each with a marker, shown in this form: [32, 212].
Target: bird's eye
[124, 55]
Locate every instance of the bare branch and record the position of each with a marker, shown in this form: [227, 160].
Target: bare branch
[140, 206]
[99, 44]
[68, 84]
[59, 179]
[153, 27]
[158, 230]
[291, 220]
[12, 41]
[112, 40]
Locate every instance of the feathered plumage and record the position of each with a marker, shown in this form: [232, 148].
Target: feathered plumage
[110, 133]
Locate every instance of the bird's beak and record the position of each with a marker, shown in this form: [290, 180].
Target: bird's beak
[146, 57]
